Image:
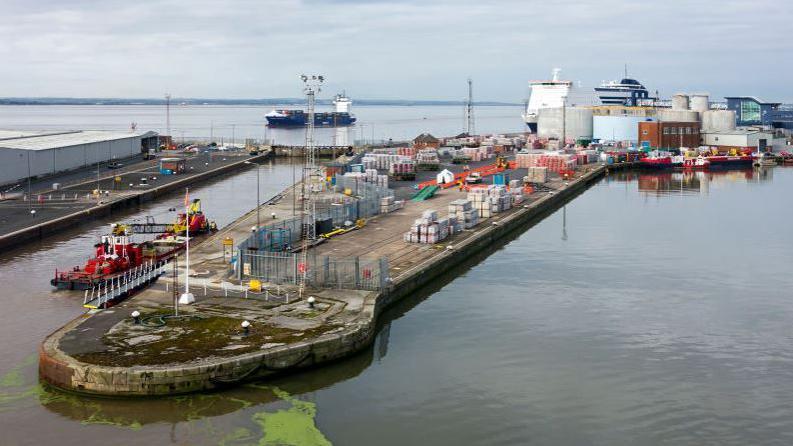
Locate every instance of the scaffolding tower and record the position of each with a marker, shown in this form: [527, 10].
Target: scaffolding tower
[310, 179]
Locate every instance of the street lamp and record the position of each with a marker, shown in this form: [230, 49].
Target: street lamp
[258, 219]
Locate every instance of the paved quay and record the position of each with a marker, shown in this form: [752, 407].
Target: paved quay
[56, 209]
[106, 353]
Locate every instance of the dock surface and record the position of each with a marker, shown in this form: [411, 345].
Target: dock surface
[105, 352]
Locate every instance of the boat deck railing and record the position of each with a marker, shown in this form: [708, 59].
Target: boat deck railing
[122, 285]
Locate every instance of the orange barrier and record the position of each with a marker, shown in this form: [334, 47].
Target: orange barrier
[484, 171]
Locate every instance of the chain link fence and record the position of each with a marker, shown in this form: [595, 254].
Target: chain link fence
[363, 202]
[267, 255]
[321, 271]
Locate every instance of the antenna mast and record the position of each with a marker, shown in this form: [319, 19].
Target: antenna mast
[469, 110]
[168, 118]
[311, 177]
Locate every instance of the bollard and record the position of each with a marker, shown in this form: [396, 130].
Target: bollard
[311, 301]
[136, 317]
[246, 328]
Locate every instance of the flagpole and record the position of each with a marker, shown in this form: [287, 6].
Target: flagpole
[187, 242]
[187, 298]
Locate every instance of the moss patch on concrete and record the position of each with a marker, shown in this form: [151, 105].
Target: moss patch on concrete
[186, 340]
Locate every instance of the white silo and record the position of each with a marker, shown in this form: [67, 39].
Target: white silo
[700, 102]
[673, 115]
[680, 101]
[718, 120]
[578, 123]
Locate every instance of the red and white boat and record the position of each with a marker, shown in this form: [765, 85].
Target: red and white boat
[115, 254]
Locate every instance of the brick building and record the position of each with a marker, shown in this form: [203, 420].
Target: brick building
[426, 141]
[668, 135]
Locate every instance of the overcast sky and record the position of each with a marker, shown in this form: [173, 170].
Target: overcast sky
[390, 49]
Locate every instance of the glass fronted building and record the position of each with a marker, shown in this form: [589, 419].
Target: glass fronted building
[751, 111]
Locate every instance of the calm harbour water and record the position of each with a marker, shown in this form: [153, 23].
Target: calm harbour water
[652, 309]
[223, 122]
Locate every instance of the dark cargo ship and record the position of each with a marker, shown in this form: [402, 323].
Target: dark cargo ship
[299, 118]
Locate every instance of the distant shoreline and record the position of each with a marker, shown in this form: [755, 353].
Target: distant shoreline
[261, 102]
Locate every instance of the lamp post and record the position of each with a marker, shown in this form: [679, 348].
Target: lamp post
[30, 205]
[258, 202]
[564, 118]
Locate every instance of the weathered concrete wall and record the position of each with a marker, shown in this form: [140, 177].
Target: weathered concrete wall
[62, 371]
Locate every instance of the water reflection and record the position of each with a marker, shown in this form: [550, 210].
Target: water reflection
[690, 182]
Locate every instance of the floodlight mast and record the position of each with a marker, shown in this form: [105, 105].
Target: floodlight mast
[311, 179]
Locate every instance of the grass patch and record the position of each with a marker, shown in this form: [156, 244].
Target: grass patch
[182, 341]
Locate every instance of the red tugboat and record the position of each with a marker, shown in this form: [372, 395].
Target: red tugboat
[656, 160]
[116, 253]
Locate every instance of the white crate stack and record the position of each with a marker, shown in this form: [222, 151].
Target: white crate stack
[538, 174]
[427, 157]
[464, 214]
[370, 176]
[382, 161]
[490, 200]
[428, 229]
[516, 191]
[389, 204]
[476, 153]
[402, 167]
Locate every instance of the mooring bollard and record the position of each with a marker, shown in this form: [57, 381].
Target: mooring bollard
[136, 317]
[246, 328]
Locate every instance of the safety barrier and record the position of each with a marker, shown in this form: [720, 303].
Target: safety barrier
[321, 271]
[123, 284]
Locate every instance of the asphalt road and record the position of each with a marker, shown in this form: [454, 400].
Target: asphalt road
[16, 214]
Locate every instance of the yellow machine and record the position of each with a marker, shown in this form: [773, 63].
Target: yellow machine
[360, 223]
[255, 286]
[501, 162]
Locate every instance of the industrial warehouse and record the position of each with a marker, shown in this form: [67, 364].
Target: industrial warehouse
[26, 154]
[685, 121]
[623, 114]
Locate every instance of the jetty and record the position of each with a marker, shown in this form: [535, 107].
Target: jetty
[241, 328]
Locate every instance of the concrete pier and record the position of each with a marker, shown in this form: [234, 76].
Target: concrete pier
[107, 353]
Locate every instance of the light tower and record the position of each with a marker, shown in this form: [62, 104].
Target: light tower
[469, 109]
[311, 177]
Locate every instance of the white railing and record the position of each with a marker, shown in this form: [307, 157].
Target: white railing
[134, 278]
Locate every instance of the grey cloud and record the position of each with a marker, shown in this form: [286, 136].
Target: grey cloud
[388, 48]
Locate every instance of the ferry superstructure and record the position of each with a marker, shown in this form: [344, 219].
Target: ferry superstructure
[626, 91]
[552, 93]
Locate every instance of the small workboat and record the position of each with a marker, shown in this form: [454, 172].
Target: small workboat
[116, 253]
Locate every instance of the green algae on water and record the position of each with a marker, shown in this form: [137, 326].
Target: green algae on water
[14, 377]
[293, 426]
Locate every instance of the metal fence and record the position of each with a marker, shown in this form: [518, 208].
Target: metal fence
[364, 202]
[321, 271]
[266, 255]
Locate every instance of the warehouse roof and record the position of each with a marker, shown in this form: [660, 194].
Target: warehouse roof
[753, 98]
[744, 131]
[39, 140]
